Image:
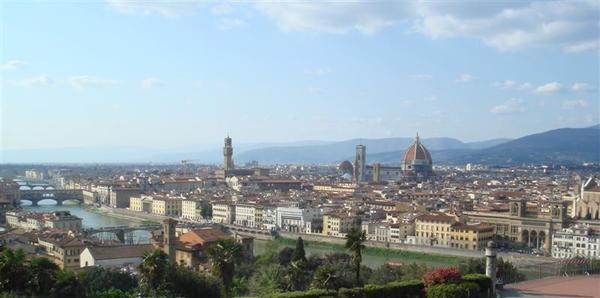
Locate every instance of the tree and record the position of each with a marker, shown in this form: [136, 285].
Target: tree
[285, 256]
[354, 243]
[267, 281]
[13, 273]
[505, 269]
[98, 279]
[224, 255]
[153, 271]
[113, 293]
[385, 274]
[43, 275]
[184, 282]
[206, 211]
[67, 286]
[299, 253]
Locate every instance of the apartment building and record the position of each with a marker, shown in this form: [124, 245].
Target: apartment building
[223, 212]
[167, 206]
[434, 229]
[141, 203]
[339, 224]
[470, 236]
[248, 215]
[191, 209]
[576, 241]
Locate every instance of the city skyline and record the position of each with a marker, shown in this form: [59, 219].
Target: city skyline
[159, 75]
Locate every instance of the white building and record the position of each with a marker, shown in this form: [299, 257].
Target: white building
[248, 215]
[191, 209]
[296, 219]
[576, 241]
[223, 212]
[113, 256]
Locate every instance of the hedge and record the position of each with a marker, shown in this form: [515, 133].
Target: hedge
[460, 290]
[313, 293]
[484, 282]
[400, 289]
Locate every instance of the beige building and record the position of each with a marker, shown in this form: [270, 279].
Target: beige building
[167, 206]
[63, 251]
[223, 212]
[191, 209]
[470, 236]
[434, 229]
[29, 221]
[140, 203]
[248, 215]
[338, 225]
[531, 227]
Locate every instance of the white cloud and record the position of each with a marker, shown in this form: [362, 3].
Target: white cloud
[165, 8]
[318, 71]
[464, 78]
[548, 88]
[83, 81]
[579, 103]
[511, 106]
[336, 17]
[581, 87]
[150, 82]
[512, 85]
[422, 77]
[41, 80]
[510, 25]
[12, 64]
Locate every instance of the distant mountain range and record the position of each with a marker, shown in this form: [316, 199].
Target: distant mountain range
[384, 150]
[559, 146]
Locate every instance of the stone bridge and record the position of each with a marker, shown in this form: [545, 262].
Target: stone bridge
[120, 231]
[58, 195]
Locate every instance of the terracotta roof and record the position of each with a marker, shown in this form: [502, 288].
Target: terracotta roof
[203, 236]
[416, 151]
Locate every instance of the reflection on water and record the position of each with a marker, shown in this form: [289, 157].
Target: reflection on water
[93, 220]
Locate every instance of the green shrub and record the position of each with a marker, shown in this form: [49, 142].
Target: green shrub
[484, 282]
[461, 290]
[313, 293]
[402, 289]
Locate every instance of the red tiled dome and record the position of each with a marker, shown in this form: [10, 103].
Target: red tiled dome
[416, 153]
[346, 167]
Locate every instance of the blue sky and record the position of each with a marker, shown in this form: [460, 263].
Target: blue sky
[169, 74]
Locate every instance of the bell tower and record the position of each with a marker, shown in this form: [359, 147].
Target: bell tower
[228, 154]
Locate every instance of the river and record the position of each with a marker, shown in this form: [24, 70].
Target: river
[93, 219]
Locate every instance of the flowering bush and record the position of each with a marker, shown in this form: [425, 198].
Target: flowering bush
[441, 276]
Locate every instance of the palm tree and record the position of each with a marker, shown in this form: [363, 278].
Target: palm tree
[44, 274]
[354, 243]
[223, 255]
[153, 270]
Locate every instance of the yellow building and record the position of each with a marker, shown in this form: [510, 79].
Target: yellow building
[223, 212]
[471, 237]
[338, 225]
[434, 229]
[167, 207]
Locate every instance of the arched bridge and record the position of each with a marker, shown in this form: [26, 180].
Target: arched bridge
[57, 195]
[120, 231]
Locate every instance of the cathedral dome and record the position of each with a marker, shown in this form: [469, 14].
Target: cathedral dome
[416, 159]
[346, 167]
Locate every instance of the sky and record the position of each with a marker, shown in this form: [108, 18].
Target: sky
[165, 74]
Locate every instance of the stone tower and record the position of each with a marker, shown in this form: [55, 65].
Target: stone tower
[490, 263]
[169, 238]
[228, 154]
[360, 163]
